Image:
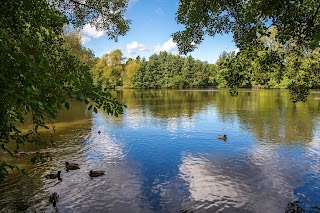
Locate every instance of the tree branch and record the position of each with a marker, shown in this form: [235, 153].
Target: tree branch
[82, 4]
[311, 21]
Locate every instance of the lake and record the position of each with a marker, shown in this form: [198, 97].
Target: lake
[163, 155]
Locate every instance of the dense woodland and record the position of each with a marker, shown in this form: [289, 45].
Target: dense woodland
[269, 66]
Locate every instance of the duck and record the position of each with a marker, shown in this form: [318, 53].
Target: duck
[54, 176]
[54, 197]
[72, 166]
[224, 137]
[96, 173]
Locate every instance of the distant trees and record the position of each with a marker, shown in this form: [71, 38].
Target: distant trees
[262, 68]
[162, 70]
[271, 65]
[108, 70]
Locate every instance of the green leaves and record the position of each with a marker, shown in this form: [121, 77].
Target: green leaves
[103, 14]
[247, 20]
[4, 169]
[40, 73]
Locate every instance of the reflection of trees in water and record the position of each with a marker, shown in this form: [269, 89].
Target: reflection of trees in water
[166, 103]
[271, 115]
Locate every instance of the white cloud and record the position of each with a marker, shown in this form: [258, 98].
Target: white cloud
[85, 39]
[134, 46]
[168, 46]
[91, 31]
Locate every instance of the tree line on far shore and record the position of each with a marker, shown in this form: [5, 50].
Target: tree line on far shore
[267, 66]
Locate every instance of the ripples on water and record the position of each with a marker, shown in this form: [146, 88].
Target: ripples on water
[158, 163]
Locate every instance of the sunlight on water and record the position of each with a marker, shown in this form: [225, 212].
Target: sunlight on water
[163, 155]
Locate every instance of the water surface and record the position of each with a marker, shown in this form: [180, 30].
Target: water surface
[163, 155]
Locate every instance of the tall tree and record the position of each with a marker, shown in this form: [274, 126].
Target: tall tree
[38, 74]
[130, 70]
[108, 70]
[297, 25]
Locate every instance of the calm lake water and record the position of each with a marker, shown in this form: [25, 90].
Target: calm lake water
[163, 155]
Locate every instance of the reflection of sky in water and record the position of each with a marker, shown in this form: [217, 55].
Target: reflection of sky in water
[167, 164]
[172, 125]
[184, 166]
[209, 185]
[117, 191]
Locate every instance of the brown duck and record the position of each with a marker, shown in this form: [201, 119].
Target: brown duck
[224, 137]
[54, 176]
[72, 166]
[96, 173]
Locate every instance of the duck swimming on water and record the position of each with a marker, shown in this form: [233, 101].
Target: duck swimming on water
[54, 197]
[72, 166]
[96, 173]
[224, 137]
[54, 176]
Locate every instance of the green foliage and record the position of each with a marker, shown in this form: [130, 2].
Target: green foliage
[40, 71]
[266, 66]
[108, 70]
[271, 31]
[162, 70]
[72, 42]
[247, 20]
[130, 70]
[172, 71]
[103, 14]
[270, 68]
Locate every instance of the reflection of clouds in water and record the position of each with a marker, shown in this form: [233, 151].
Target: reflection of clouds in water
[103, 146]
[314, 150]
[134, 118]
[188, 124]
[172, 125]
[209, 185]
[118, 190]
[235, 183]
[309, 174]
[274, 169]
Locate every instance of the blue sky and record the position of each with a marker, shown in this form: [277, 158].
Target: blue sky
[153, 22]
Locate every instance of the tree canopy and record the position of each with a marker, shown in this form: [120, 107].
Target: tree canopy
[292, 26]
[102, 14]
[40, 67]
[296, 21]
